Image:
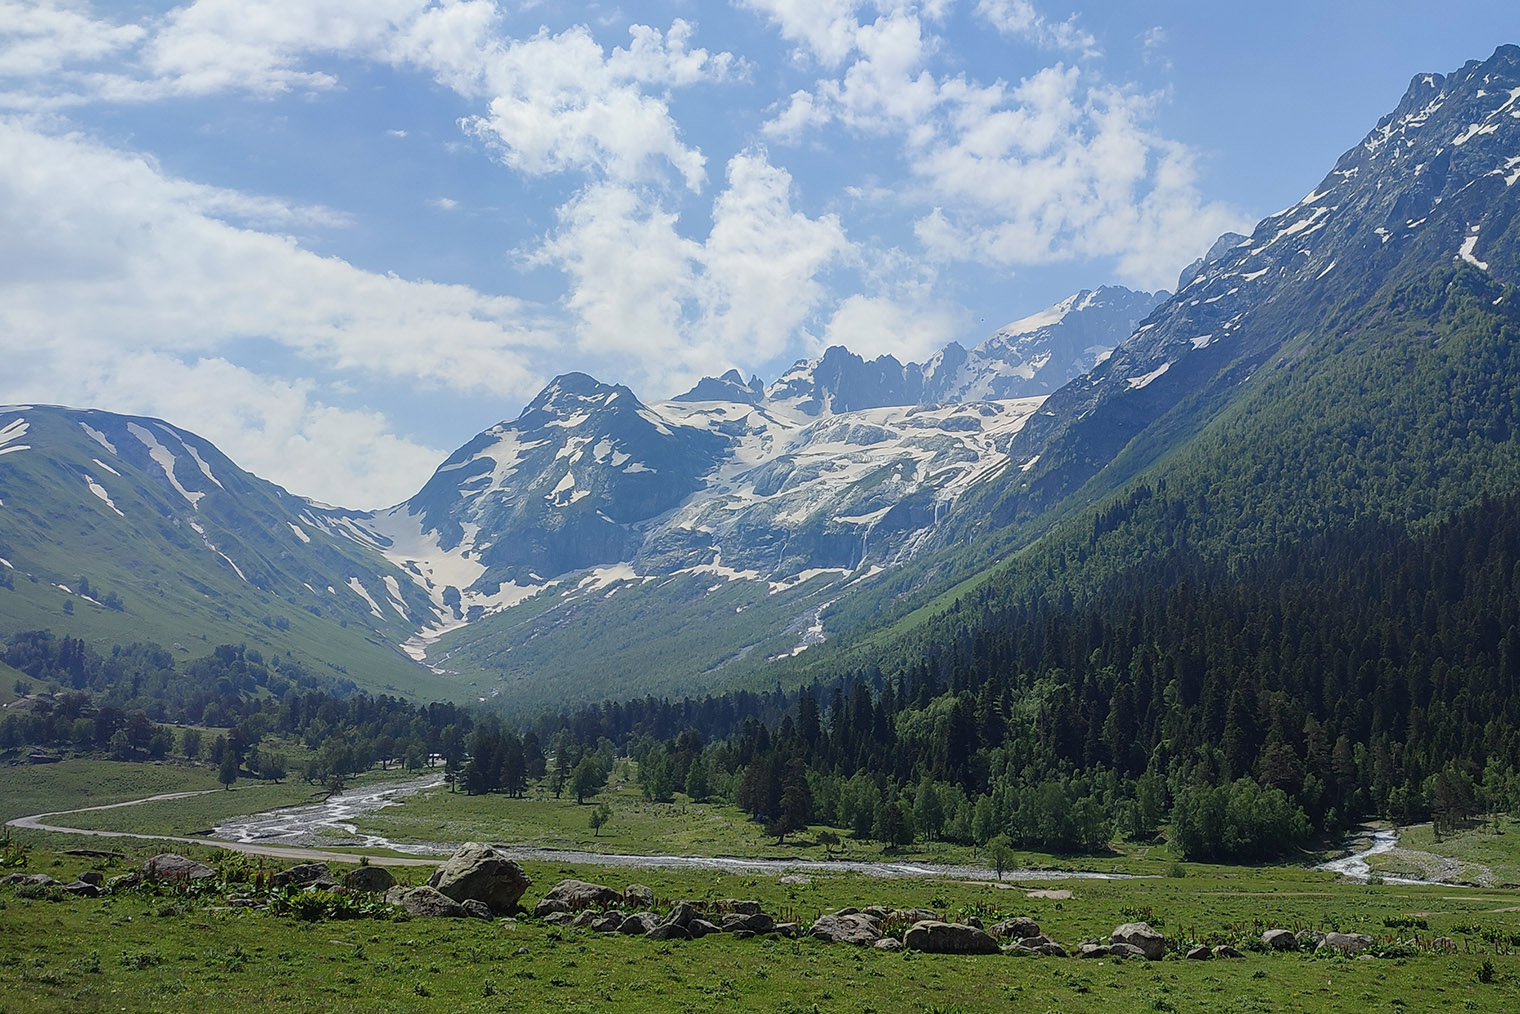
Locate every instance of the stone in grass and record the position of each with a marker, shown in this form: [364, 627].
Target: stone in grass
[741, 907]
[369, 878]
[1280, 940]
[305, 873]
[701, 928]
[1140, 935]
[681, 915]
[1126, 952]
[757, 922]
[608, 922]
[477, 909]
[484, 873]
[27, 879]
[574, 895]
[1200, 954]
[559, 919]
[638, 896]
[638, 924]
[83, 889]
[790, 930]
[846, 929]
[1018, 928]
[669, 931]
[92, 877]
[1346, 943]
[173, 866]
[888, 944]
[1092, 950]
[949, 938]
[426, 901]
[1226, 951]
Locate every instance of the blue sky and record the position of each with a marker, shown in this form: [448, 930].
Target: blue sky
[339, 238]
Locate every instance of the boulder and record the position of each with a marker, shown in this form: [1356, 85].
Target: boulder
[1226, 951]
[974, 922]
[701, 928]
[681, 915]
[484, 873]
[607, 922]
[1280, 940]
[638, 924]
[1308, 940]
[1089, 950]
[575, 895]
[92, 877]
[742, 934]
[846, 929]
[124, 882]
[559, 919]
[741, 907]
[1200, 954]
[1346, 943]
[669, 931]
[476, 909]
[1140, 934]
[25, 879]
[758, 922]
[888, 944]
[1018, 928]
[369, 878]
[934, 937]
[1126, 952]
[82, 889]
[173, 866]
[638, 896]
[305, 873]
[427, 901]
[790, 930]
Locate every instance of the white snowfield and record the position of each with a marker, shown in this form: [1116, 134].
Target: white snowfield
[166, 461]
[12, 432]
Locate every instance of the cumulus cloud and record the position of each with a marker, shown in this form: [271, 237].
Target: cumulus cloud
[112, 261]
[1020, 18]
[669, 308]
[1057, 166]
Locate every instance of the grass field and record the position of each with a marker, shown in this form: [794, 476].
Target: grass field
[137, 952]
[144, 953]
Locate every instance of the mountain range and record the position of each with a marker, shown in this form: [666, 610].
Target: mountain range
[1349, 358]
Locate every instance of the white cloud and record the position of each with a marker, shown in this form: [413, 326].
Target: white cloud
[444, 203]
[1020, 18]
[42, 37]
[670, 309]
[822, 29]
[109, 261]
[908, 329]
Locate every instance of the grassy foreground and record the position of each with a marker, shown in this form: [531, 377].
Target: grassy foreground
[142, 952]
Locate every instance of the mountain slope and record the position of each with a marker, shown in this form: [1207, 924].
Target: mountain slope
[128, 528]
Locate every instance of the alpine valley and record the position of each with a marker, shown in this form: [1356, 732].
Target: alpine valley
[1354, 361]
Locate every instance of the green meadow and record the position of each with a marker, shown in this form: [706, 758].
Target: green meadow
[166, 952]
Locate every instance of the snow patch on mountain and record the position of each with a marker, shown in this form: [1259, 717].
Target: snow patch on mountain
[100, 491]
[165, 460]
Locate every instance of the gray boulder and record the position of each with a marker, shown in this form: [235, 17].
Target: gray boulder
[607, 922]
[305, 873]
[1200, 954]
[846, 929]
[173, 866]
[701, 928]
[638, 924]
[369, 878]
[1226, 951]
[575, 895]
[1140, 935]
[934, 937]
[27, 879]
[681, 915]
[426, 901]
[1091, 950]
[1280, 940]
[1308, 940]
[888, 944]
[93, 877]
[741, 907]
[84, 889]
[559, 919]
[1346, 943]
[669, 931]
[1127, 952]
[484, 873]
[638, 896]
[1018, 928]
[757, 922]
[124, 882]
[476, 909]
[790, 930]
